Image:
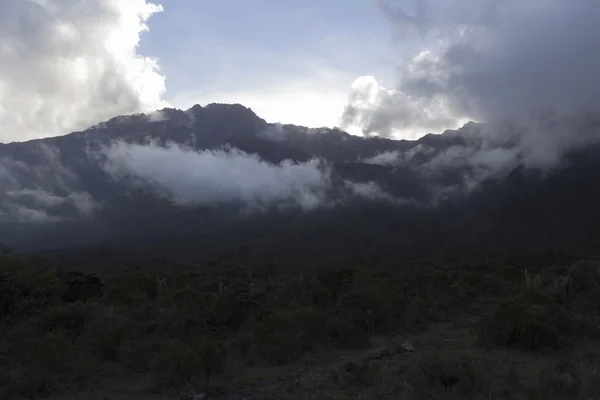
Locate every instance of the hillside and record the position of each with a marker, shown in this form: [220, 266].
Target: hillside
[218, 180]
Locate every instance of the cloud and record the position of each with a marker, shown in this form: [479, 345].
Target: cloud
[274, 132]
[385, 158]
[378, 110]
[528, 69]
[215, 177]
[372, 191]
[41, 191]
[66, 65]
[457, 167]
[22, 214]
[39, 206]
[47, 170]
[81, 201]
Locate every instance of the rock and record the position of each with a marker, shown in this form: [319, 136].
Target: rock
[191, 395]
[405, 347]
[349, 367]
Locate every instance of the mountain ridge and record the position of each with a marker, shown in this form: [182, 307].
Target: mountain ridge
[140, 178]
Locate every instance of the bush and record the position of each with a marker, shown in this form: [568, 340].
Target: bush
[175, 365]
[10, 296]
[54, 360]
[467, 378]
[363, 374]
[138, 354]
[59, 352]
[560, 381]
[180, 363]
[343, 333]
[368, 309]
[529, 326]
[584, 276]
[285, 335]
[334, 279]
[69, 318]
[107, 343]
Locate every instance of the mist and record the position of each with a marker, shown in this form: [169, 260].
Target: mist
[44, 191]
[528, 70]
[215, 177]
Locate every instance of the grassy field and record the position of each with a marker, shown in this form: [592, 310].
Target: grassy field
[483, 331]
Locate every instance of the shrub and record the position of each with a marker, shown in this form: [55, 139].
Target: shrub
[468, 378]
[175, 365]
[363, 374]
[584, 275]
[69, 318]
[53, 360]
[529, 326]
[343, 333]
[335, 279]
[285, 335]
[560, 381]
[107, 342]
[368, 309]
[58, 352]
[180, 363]
[322, 297]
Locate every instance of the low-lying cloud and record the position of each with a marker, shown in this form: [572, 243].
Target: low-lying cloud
[66, 65]
[43, 191]
[528, 69]
[372, 191]
[274, 132]
[474, 158]
[215, 177]
[39, 206]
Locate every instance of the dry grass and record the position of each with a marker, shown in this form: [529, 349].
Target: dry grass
[478, 333]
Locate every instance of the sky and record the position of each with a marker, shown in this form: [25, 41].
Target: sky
[394, 68]
[290, 61]
[68, 64]
[528, 70]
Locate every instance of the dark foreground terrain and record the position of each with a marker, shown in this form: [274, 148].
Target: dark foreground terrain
[456, 330]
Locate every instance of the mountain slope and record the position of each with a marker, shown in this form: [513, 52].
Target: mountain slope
[218, 181]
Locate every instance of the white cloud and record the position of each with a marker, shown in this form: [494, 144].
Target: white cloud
[533, 63]
[385, 158]
[274, 133]
[82, 201]
[66, 65]
[373, 109]
[372, 191]
[211, 178]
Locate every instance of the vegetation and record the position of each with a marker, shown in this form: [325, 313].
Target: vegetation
[479, 332]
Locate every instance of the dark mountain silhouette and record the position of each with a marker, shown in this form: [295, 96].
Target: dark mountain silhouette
[376, 211]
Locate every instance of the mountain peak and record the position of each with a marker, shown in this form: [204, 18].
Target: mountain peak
[226, 109]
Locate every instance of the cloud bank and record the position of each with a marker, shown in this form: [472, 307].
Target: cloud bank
[40, 188]
[44, 191]
[66, 65]
[528, 69]
[215, 177]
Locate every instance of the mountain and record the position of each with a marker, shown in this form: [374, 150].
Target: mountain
[219, 181]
